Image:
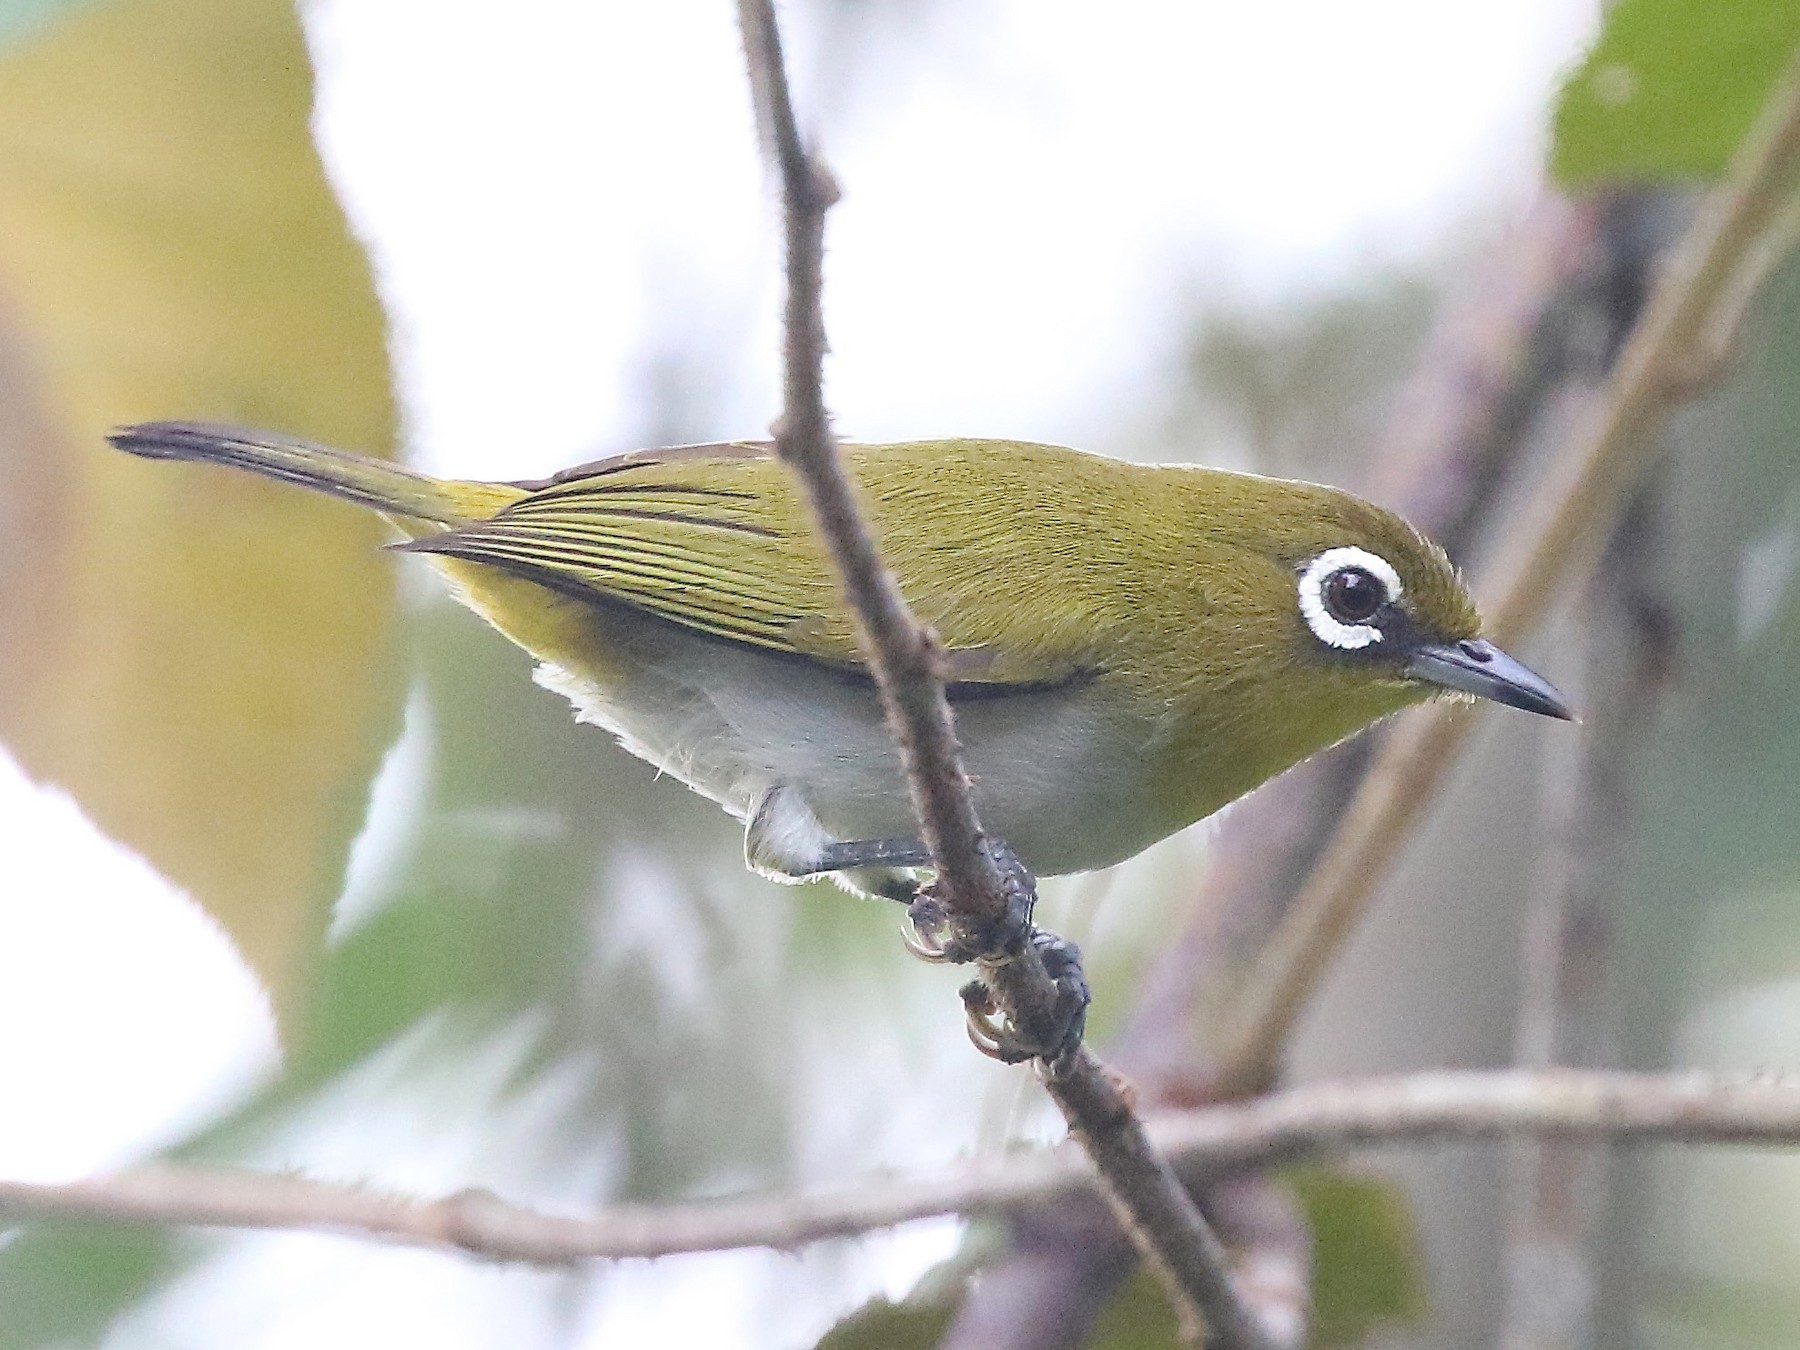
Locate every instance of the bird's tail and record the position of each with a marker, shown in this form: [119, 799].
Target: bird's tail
[387, 487]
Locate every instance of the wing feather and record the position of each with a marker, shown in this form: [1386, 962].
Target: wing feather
[722, 543]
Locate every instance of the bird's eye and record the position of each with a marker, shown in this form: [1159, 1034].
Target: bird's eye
[1341, 591]
[1352, 594]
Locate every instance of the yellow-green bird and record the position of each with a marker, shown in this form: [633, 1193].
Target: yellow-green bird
[1131, 646]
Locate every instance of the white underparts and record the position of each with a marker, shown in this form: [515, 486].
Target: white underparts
[593, 707]
[589, 705]
[783, 839]
[1329, 630]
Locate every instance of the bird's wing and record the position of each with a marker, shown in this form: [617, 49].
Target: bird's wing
[718, 539]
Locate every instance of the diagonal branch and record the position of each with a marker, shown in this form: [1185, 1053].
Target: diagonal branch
[903, 655]
[1146, 1195]
[1208, 1145]
[1677, 347]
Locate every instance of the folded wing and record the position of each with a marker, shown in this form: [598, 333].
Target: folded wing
[717, 538]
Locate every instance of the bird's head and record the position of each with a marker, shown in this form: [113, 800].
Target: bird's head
[1361, 601]
[1309, 614]
[1374, 596]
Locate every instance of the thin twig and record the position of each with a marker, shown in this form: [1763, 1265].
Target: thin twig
[1154, 1207]
[1674, 352]
[902, 654]
[1146, 1194]
[1208, 1145]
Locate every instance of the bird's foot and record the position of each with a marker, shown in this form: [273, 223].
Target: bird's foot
[1059, 1031]
[931, 936]
[1055, 1030]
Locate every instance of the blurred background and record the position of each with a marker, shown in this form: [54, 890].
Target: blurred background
[299, 870]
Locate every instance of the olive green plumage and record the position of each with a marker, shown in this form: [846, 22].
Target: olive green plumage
[1126, 643]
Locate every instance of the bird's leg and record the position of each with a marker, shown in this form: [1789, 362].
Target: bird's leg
[783, 839]
[854, 853]
[1060, 1028]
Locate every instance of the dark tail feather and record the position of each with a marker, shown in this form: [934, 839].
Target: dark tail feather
[370, 482]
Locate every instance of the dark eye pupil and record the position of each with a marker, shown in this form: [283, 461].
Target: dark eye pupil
[1352, 595]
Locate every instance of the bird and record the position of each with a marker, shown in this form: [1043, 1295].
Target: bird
[1128, 647]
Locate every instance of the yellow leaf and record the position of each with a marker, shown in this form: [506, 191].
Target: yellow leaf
[201, 658]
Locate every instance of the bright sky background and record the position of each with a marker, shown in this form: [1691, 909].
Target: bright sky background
[558, 196]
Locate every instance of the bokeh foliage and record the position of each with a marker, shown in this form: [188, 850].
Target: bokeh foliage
[1701, 1251]
[202, 660]
[1713, 969]
[1669, 89]
[1365, 1269]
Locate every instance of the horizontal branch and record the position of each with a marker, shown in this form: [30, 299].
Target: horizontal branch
[1690, 1108]
[1206, 1145]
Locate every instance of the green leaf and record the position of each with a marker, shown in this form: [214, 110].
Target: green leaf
[1366, 1255]
[1669, 89]
[62, 1283]
[201, 659]
[1138, 1318]
[880, 1325]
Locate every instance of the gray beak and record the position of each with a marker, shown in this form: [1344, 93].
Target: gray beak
[1476, 666]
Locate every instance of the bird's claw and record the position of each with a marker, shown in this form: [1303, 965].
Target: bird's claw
[1062, 960]
[988, 1031]
[1061, 1033]
[928, 933]
[923, 930]
[929, 936]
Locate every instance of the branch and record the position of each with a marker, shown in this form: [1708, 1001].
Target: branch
[1208, 1146]
[1620, 1107]
[903, 655]
[1148, 1198]
[1154, 1208]
[1678, 346]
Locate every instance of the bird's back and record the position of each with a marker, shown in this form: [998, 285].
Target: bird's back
[718, 538]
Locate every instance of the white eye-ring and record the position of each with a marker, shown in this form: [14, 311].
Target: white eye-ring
[1340, 590]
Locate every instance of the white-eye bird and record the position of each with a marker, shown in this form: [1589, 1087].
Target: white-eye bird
[1131, 646]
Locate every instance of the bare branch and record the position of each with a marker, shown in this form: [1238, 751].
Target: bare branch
[1622, 1107]
[1145, 1193]
[1207, 1145]
[1674, 350]
[1154, 1207]
[903, 655]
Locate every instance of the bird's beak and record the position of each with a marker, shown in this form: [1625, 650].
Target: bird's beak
[1476, 666]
